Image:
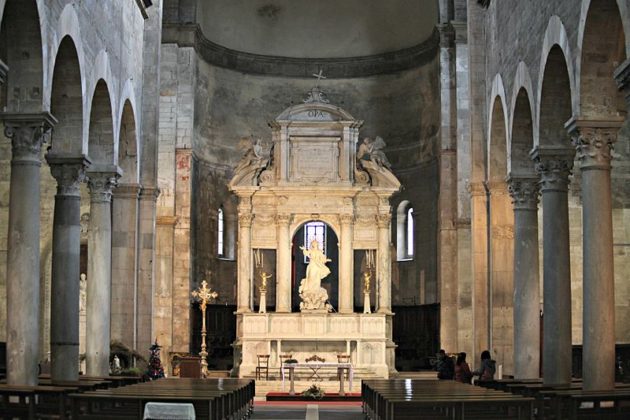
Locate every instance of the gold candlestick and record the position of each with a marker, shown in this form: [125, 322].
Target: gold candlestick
[203, 295]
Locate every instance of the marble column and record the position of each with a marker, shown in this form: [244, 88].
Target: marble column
[384, 265]
[346, 272]
[283, 264]
[244, 261]
[145, 279]
[66, 253]
[594, 142]
[554, 164]
[100, 182]
[27, 134]
[525, 190]
[124, 260]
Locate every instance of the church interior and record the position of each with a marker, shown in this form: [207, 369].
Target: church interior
[236, 191]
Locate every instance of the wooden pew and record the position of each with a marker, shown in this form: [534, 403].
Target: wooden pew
[33, 401]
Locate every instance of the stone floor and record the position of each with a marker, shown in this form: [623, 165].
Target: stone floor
[293, 411]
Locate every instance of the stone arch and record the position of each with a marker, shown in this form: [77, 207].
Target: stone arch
[524, 87]
[522, 137]
[66, 100]
[128, 145]
[101, 74]
[22, 50]
[556, 86]
[101, 146]
[555, 102]
[501, 244]
[623, 14]
[599, 57]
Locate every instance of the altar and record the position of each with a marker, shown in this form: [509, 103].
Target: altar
[316, 204]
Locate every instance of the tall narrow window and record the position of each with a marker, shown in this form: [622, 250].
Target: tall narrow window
[317, 231]
[410, 232]
[220, 250]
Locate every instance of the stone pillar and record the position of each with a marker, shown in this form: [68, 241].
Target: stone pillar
[524, 190]
[124, 259]
[384, 265]
[554, 164]
[244, 261]
[283, 264]
[145, 278]
[100, 183]
[594, 142]
[66, 254]
[27, 134]
[346, 272]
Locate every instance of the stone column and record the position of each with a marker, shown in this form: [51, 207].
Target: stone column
[244, 261]
[66, 253]
[27, 134]
[145, 279]
[524, 190]
[100, 183]
[346, 272]
[554, 164]
[384, 265]
[124, 259]
[283, 264]
[594, 142]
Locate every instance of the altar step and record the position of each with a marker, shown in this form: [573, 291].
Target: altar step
[265, 387]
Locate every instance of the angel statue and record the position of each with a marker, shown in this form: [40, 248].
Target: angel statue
[372, 150]
[252, 163]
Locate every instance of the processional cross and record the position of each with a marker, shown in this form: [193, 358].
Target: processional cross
[203, 294]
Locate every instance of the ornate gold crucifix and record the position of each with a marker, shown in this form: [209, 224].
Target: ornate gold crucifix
[203, 294]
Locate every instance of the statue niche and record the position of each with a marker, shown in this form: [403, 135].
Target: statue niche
[314, 296]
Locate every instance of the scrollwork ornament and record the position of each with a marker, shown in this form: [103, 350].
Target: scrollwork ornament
[245, 219]
[383, 220]
[594, 146]
[101, 185]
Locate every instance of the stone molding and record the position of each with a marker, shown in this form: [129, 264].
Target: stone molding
[166, 220]
[383, 220]
[594, 141]
[447, 35]
[149, 193]
[245, 219]
[476, 189]
[69, 172]
[622, 77]
[101, 185]
[191, 35]
[28, 133]
[347, 219]
[283, 219]
[127, 191]
[497, 188]
[554, 164]
[525, 191]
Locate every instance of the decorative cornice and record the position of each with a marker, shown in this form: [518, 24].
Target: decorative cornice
[28, 133]
[191, 35]
[524, 190]
[128, 191]
[149, 193]
[594, 141]
[477, 189]
[554, 164]
[69, 172]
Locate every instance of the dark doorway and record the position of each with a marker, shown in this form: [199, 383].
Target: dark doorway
[298, 265]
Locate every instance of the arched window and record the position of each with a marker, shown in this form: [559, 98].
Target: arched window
[220, 230]
[315, 231]
[404, 231]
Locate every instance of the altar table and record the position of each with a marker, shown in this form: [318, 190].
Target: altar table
[315, 367]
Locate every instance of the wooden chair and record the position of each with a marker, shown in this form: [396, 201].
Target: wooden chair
[343, 358]
[283, 358]
[263, 366]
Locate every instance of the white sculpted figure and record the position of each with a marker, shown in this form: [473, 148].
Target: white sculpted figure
[313, 295]
[252, 162]
[372, 150]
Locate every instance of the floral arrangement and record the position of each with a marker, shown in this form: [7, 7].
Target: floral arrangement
[314, 392]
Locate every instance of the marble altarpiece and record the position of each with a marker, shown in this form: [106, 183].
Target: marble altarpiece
[314, 170]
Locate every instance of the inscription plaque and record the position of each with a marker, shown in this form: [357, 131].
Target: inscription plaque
[314, 159]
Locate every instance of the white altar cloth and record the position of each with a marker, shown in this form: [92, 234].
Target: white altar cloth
[315, 366]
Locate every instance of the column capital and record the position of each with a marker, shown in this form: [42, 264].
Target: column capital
[124, 190]
[476, 189]
[69, 171]
[594, 140]
[346, 219]
[447, 35]
[283, 218]
[245, 219]
[622, 77]
[524, 190]
[554, 164]
[497, 188]
[383, 220]
[101, 180]
[149, 193]
[28, 133]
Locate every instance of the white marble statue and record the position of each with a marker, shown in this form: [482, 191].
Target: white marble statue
[313, 295]
[82, 291]
[372, 150]
[252, 162]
